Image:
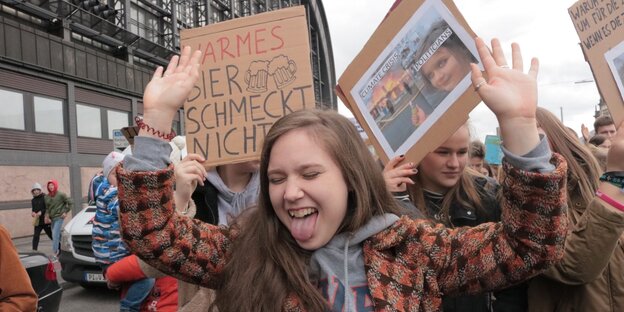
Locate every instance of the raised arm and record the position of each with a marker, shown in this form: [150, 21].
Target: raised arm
[184, 248]
[534, 224]
[510, 94]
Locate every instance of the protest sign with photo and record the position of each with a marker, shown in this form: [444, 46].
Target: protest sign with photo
[600, 26]
[615, 59]
[410, 85]
[254, 70]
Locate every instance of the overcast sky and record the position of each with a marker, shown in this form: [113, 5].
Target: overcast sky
[542, 28]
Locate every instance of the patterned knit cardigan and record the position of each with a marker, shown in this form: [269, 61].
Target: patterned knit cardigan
[409, 266]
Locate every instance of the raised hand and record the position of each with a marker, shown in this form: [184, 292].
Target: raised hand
[615, 157]
[168, 89]
[397, 176]
[510, 94]
[188, 173]
[585, 133]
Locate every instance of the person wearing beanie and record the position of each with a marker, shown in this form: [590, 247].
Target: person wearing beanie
[58, 204]
[108, 247]
[40, 222]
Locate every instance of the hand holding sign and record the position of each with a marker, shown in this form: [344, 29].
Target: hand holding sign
[398, 176]
[167, 91]
[510, 94]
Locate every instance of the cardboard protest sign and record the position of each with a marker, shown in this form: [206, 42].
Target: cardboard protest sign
[254, 70]
[410, 87]
[493, 151]
[600, 26]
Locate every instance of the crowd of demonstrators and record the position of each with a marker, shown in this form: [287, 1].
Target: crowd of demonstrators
[41, 221]
[446, 191]
[108, 247]
[58, 204]
[16, 291]
[589, 277]
[323, 223]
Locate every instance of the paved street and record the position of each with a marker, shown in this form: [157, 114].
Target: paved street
[75, 297]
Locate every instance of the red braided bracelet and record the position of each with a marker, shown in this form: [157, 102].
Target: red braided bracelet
[143, 125]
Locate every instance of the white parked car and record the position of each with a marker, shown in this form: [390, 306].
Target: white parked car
[76, 257]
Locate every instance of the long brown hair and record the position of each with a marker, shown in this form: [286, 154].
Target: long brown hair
[583, 168]
[266, 265]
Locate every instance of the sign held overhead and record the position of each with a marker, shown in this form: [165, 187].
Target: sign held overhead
[254, 70]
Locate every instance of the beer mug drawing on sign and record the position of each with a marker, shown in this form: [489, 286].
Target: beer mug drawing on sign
[283, 70]
[257, 76]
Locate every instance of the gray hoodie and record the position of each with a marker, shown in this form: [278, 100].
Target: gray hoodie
[339, 267]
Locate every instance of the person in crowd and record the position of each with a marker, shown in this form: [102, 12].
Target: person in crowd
[599, 146]
[163, 296]
[600, 140]
[94, 184]
[326, 224]
[477, 158]
[442, 71]
[108, 247]
[38, 212]
[604, 125]
[449, 192]
[58, 204]
[589, 277]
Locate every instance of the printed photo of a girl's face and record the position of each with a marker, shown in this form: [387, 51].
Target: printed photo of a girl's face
[445, 69]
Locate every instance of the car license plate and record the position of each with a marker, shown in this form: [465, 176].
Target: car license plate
[95, 277]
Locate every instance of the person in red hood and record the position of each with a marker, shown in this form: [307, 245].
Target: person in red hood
[58, 205]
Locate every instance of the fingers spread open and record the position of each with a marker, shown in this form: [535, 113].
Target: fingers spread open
[158, 72]
[173, 64]
[185, 56]
[497, 53]
[516, 57]
[485, 55]
[534, 69]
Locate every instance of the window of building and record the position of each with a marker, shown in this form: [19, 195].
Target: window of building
[116, 120]
[12, 112]
[89, 121]
[49, 115]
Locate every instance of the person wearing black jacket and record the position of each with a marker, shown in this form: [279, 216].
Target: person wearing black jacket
[449, 193]
[38, 214]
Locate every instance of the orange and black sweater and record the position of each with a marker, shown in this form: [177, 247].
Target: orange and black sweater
[409, 266]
